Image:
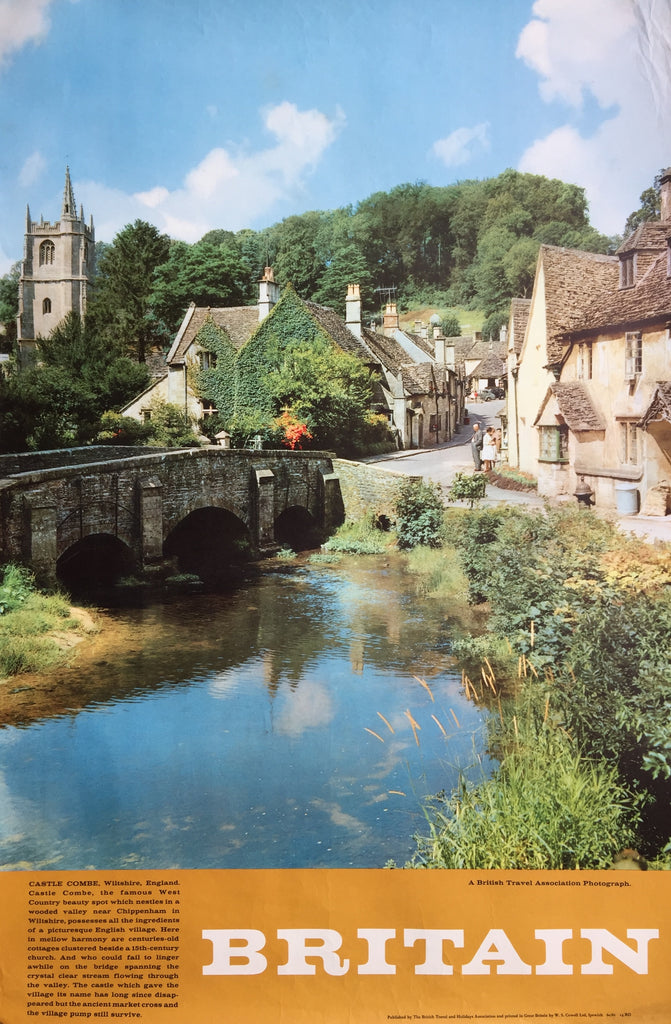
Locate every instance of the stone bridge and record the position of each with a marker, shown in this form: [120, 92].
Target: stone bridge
[118, 510]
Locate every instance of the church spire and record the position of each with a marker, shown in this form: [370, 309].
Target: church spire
[69, 210]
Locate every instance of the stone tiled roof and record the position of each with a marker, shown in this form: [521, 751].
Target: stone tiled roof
[651, 234]
[491, 366]
[335, 327]
[386, 349]
[239, 323]
[425, 344]
[467, 347]
[575, 405]
[422, 378]
[572, 280]
[648, 300]
[519, 318]
[660, 406]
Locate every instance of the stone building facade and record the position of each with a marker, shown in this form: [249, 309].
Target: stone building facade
[56, 272]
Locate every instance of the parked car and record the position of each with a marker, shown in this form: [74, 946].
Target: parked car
[486, 395]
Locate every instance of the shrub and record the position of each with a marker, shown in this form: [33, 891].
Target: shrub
[419, 514]
[468, 487]
[16, 586]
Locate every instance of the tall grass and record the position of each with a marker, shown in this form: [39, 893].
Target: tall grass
[546, 806]
[29, 621]
[362, 537]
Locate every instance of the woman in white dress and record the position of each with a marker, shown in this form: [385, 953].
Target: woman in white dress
[489, 450]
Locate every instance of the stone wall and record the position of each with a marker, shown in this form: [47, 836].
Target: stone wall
[33, 462]
[367, 487]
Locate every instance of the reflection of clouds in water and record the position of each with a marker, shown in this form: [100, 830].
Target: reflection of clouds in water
[308, 707]
[23, 830]
[338, 816]
[223, 684]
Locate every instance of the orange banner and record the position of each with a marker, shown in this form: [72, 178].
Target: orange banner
[199, 947]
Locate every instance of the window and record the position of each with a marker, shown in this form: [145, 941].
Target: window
[47, 252]
[585, 360]
[633, 354]
[209, 408]
[553, 444]
[434, 423]
[46, 306]
[627, 271]
[207, 360]
[630, 443]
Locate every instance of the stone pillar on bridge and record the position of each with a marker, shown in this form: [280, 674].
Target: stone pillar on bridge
[332, 502]
[265, 504]
[43, 540]
[151, 520]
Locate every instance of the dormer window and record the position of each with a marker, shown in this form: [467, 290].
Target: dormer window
[627, 271]
[47, 252]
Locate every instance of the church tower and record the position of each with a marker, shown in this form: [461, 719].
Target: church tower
[56, 272]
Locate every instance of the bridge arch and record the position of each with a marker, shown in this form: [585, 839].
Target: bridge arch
[97, 560]
[298, 528]
[208, 541]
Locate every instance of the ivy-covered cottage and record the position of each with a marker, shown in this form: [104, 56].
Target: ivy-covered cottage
[220, 361]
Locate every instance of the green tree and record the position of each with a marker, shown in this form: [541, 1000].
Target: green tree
[59, 402]
[451, 326]
[120, 306]
[348, 266]
[209, 273]
[650, 207]
[9, 307]
[329, 390]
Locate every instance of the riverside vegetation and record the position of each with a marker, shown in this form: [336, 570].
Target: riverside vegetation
[573, 664]
[36, 629]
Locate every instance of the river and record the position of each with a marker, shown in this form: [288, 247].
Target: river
[299, 720]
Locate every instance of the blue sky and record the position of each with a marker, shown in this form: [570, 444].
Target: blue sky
[198, 114]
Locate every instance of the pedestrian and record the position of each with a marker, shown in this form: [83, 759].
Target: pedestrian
[488, 450]
[477, 442]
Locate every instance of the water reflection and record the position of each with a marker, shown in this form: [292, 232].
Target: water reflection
[297, 722]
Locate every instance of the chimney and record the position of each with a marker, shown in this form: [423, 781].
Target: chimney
[419, 324]
[665, 196]
[353, 309]
[390, 319]
[269, 293]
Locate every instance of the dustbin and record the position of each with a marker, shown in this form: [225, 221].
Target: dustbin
[627, 499]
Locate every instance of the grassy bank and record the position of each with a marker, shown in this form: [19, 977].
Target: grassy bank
[581, 723]
[36, 630]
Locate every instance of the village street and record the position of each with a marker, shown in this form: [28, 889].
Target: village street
[441, 463]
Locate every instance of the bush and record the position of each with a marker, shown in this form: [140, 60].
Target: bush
[468, 487]
[17, 585]
[419, 514]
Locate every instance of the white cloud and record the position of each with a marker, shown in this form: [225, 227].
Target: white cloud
[32, 169]
[228, 188]
[619, 52]
[21, 22]
[458, 147]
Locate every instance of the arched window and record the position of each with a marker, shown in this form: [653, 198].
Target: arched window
[47, 252]
[46, 306]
